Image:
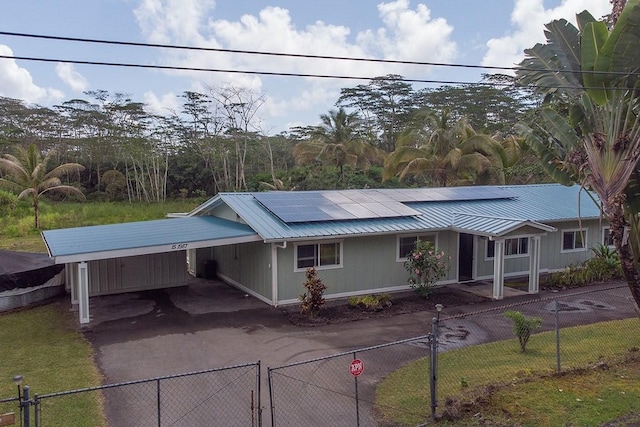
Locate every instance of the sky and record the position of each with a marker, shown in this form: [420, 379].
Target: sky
[468, 32]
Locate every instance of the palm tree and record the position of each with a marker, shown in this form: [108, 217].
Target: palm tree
[597, 145]
[26, 173]
[337, 141]
[447, 154]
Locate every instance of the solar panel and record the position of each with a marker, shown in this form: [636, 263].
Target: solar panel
[312, 206]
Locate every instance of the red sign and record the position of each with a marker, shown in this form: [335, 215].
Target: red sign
[356, 367]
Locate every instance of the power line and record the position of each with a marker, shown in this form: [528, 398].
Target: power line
[296, 55]
[251, 52]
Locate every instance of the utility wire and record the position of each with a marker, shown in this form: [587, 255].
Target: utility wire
[295, 55]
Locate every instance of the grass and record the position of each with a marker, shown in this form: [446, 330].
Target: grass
[17, 231]
[463, 373]
[43, 345]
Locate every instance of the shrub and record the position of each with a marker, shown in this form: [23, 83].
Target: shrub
[8, 203]
[370, 302]
[523, 327]
[313, 298]
[426, 266]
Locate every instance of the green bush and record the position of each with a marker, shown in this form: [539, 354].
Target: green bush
[313, 298]
[370, 302]
[8, 203]
[605, 265]
[523, 327]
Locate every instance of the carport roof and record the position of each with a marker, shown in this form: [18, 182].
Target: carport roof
[144, 237]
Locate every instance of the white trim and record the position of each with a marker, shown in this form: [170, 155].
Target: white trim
[573, 230]
[417, 236]
[274, 273]
[317, 243]
[486, 247]
[121, 253]
[83, 292]
[606, 228]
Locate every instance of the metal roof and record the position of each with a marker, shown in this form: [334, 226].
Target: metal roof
[492, 226]
[536, 205]
[144, 237]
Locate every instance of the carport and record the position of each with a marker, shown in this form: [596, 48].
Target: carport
[155, 251]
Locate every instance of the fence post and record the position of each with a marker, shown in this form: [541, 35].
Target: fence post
[269, 380]
[259, 382]
[433, 377]
[36, 408]
[158, 400]
[557, 306]
[26, 405]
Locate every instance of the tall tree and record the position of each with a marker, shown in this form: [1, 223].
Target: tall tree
[385, 104]
[595, 70]
[446, 153]
[26, 173]
[338, 142]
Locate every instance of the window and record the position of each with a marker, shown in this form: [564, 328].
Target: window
[320, 255]
[574, 240]
[607, 238]
[407, 243]
[512, 247]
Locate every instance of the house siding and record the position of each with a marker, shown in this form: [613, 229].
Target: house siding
[137, 273]
[247, 264]
[368, 263]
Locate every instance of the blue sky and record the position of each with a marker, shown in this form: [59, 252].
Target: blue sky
[478, 32]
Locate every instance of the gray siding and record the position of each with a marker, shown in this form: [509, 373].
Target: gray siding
[144, 272]
[368, 263]
[246, 264]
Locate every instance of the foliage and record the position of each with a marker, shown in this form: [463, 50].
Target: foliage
[313, 298]
[55, 357]
[426, 266]
[28, 173]
[523, 327]
[605, 265]
[589, 132]
[8, 202]
[375, 302]
[115, 184]
[401, 397]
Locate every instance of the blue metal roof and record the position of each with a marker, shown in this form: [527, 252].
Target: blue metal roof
[537, 203]
[144, 237]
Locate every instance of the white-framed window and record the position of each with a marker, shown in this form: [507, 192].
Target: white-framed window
[407, 243]
[319, 255]
[513, 247]
[607, 238]
[574, 240]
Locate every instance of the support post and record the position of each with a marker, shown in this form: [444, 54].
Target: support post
[83, 292]
[498, 270]
[534, 265]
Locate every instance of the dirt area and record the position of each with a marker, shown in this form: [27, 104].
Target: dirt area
[339, 311]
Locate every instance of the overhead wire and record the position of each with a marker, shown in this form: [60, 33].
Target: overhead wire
[278, 54]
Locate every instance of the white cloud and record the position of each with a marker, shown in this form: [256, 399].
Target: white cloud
[403, 33]
[16, 82]
[71, 77]
[527, 21]
[164, 105]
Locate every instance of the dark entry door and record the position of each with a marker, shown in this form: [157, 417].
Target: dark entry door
[465, 257]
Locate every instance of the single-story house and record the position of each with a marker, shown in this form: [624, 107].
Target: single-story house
[358, 240]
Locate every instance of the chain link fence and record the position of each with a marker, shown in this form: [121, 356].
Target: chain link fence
[338, 390]
[216, 397]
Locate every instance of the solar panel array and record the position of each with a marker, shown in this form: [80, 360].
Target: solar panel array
[313, 206]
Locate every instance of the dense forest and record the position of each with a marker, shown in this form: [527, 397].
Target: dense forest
[381, 134]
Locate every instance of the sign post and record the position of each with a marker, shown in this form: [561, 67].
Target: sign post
[355, 368]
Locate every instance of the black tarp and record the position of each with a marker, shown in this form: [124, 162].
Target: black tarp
[25, 269]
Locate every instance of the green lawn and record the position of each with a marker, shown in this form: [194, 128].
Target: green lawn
[17, 232]
[463, 374]
[43, 345]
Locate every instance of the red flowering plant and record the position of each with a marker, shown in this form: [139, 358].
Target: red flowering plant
[426, 266]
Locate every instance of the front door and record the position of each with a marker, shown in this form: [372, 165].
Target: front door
[465, 257]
